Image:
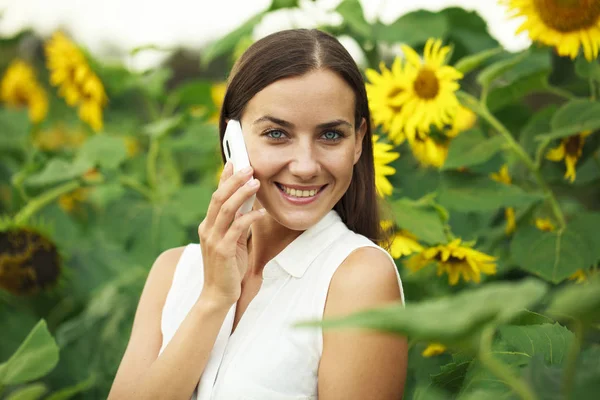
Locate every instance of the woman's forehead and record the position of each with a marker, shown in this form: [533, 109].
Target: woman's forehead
[320, 95]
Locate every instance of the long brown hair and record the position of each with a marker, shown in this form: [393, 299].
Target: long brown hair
[292, 53]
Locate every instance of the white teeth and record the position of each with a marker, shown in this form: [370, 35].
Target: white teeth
[299, 193]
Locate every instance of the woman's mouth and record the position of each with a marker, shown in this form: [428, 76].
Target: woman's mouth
[300, 196]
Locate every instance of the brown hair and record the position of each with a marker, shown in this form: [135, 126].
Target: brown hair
[292, 53]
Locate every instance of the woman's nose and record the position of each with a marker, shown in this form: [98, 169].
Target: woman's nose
[304, 164]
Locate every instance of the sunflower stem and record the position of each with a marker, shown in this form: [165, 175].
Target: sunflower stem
[481, 109]
[571, 362]
[137, 186]
[39, 202]
[151, 163]
[500, 369]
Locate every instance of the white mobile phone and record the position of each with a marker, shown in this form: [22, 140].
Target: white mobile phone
[235, 151]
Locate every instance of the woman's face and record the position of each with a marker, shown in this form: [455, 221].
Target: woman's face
[302, 144]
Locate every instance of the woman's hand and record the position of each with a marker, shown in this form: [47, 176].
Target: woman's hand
[223, 236]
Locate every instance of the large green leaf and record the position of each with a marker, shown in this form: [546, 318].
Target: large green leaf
[574, 117]
[587, 384]
[421, 220]
[451, 376]
[195, 93]
[228, 43]
[472, 148]
[37, 356]
[468, 30]
[537, 124]
[69, 392]
[30, 392]
[352, 12]
[103, 151]
[189, 204]
[474, 61]
[587, 70]
[510, 94]
[515, 347]
[551, 255]
[413, 28]
[449, 319]
[161, 127]
[580, 301]
[587, 224]
[464, 192]
[59, 170]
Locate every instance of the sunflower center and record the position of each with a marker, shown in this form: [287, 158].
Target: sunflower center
[568, 15]
[573, 145]
[426, 84]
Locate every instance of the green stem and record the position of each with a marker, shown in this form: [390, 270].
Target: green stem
[571, 362]
[482, 110]
[560, 92]
[500, 369]
[44, 199]
[151, 163]
[137, 186]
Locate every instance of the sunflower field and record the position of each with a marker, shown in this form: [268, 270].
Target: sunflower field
[488, 162]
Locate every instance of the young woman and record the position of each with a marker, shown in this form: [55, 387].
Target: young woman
[215, 318]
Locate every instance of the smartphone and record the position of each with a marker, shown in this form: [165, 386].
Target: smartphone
[235, 151]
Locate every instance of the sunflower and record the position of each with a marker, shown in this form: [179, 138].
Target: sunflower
[428, 95]
[503, 176]
[570, 148]
[429, 151]
[464, 120]
[29, 260]
[578, 276]
[20, 88]
[567, 25]
[403, 243]
[544, 224]
[455, 260]
[70, 201]
[383, 88]
[77, 83]
[59, 137]
[383, 155]
[433, 349]
[217, 93]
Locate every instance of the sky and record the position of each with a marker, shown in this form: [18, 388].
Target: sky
[107, 27]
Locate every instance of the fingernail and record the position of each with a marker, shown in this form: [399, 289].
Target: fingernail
[246, 170]
[262, 211]
[252, 182]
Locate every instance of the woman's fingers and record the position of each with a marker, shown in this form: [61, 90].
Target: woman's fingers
[226, 188]
[226, 173]
[230, 207]
[241, 225]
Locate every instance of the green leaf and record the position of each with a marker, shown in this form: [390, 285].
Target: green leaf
[467, 29]
[537, 124]
[587, 70]
[472, 148]
[544, 379]
[279, 4]
[58, 170]
[527, 317]
[161, 127]
[474, 61]
[36, 357]
[195, 93]
[352, 12]
[451, 376]
[587, 384]
[421, 220]
[551, 255]
[14, 129]
[449, 319]
[413, 28]
[574, 117]
[497, 69]
[29, 392]
[586, 224]
[103, 151]
[189, 204]
[503, 96]
[579, 301]
[464, 192]
[69, 392]
[228, 43]
[515, 347]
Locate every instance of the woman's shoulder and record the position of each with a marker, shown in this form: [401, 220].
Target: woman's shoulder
[165, 265]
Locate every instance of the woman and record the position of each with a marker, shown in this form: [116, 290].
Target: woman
[219, 313]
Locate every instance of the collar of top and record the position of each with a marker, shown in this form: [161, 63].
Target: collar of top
[300, 253]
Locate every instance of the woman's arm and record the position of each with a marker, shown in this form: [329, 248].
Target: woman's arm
[360, 364]
[174, 374]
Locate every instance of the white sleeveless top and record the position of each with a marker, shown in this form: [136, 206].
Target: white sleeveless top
[265, 358]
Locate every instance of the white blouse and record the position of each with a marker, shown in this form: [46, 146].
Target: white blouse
[265, 358]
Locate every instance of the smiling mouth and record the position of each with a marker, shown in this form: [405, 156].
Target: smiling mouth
[299, 193]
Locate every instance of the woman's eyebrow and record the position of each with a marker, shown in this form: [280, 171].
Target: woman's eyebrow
[287, 124]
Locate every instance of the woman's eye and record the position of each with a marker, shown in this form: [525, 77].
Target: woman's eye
[274, 134]
[332, 135]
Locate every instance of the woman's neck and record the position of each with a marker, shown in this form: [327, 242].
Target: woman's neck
[267, 239]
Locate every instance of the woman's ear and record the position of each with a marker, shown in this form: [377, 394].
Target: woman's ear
[360, 135]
